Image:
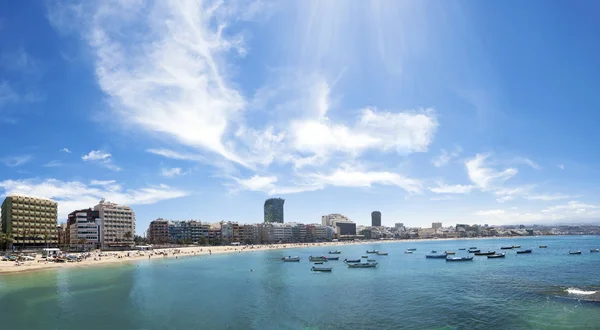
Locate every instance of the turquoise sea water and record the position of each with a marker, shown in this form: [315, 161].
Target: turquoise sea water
[406, 291]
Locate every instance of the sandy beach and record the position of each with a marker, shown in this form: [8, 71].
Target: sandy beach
[105, 258]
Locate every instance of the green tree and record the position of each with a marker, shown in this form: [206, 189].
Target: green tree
[5, 239]
[202, 240]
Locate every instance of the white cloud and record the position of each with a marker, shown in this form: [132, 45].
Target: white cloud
[451, 189]
[96, 155]
[176, 155]
[172, 172]
[53, 163]
[73, 195]
[102, 182]
[446, 157]
[7, 94]
[65, 150]
[487, 177]
[101, 157]
[561, 166]
[15, 161]
[527, 161]
[570, 206]
[404, 132]
[348, 177]
[258, 183]
[547, 197]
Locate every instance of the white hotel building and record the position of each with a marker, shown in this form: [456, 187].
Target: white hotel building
[118, 224]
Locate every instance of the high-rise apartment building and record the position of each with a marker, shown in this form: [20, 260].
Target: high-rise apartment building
[274, 210]
[117, 224]
[158, 231]
[84, 229]
[32, 221]
[376, 219]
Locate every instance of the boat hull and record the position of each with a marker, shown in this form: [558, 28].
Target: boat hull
[493, 256]
[459, 259]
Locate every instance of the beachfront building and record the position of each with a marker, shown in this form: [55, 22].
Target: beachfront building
[328, 220]
[117, 225]
[188, 231]
[32, 221]
[436, 225]
[62, 234]
[251, 234]
[84, 229]
[274, 210]
[376, 219]
[158, 231]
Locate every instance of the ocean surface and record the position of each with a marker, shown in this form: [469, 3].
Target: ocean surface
[405, 291]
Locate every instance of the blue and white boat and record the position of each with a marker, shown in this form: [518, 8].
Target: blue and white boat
[321, 258]
[435, 256]
[459, 258]
[335, 252]
[321, 269]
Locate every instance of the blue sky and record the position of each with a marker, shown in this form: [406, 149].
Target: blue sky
[469, 112]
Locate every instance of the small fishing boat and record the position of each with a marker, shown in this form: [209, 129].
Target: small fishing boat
[595, 250]
[474, 251]
[435, 256]
[363, 265]
[351, 260]
[291, 259]
[462, 249]
[473, 248]
[363, 256]
[523, 251]
[574, 252]
[321, 269]
[413, 249]
[382, 253]
[335, 252]
[321, 258]
[506, 248]
[372, 251]
[333, 258]
[543, 246]
[501, 255]
[516, 246]
[319, 263]
[459, 258]
[449, 252]
[489, 253]
[408, 252]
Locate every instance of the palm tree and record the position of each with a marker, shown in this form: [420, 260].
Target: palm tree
[128, 236]
[82, 242]
[5, 239]
[45, 237]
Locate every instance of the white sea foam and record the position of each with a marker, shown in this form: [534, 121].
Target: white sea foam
[577, 291]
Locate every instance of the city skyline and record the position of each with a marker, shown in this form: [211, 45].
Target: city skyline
[432, 112]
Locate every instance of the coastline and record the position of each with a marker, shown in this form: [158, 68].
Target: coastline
[7, 267]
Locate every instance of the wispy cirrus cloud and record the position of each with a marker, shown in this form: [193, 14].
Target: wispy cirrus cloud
[65, 150]
[446, 156]
[173, 79]
[73, 195]
[15, 161]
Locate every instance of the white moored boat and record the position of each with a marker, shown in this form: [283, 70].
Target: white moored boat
[290, 259]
